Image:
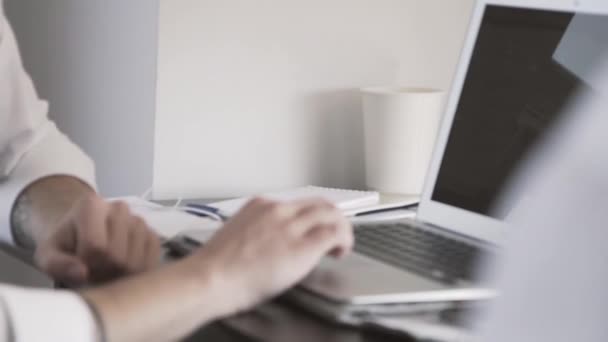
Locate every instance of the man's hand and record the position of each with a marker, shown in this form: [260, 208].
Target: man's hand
[96, 242]
[269, 247]
[262, 251]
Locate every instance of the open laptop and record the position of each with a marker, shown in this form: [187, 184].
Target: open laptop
[521, 64]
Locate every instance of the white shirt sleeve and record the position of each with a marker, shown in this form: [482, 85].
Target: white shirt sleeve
[28, 315]
[554, 280]
[31, 146]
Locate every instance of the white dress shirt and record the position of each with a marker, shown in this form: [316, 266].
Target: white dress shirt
[554, 283]
[28, 315]
[31, 147]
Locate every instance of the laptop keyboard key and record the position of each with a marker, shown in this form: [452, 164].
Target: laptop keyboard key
[418, 250]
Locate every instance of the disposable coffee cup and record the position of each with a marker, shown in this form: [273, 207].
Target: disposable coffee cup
[401, 126]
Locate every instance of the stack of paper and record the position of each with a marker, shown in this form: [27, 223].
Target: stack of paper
[352, 202]
[168, 222]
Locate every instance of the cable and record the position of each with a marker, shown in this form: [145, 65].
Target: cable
[146, 193]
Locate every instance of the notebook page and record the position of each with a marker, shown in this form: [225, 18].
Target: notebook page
[166, 221]
[343, 199]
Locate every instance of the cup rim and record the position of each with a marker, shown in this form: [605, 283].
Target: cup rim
[400, 90]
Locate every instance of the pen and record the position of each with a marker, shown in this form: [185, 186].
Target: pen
[405, 207]
[205, 211]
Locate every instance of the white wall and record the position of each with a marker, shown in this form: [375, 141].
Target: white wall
[253, 95]
[96, 63]
[257, 95]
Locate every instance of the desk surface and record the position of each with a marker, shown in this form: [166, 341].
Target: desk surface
[278, 322]
[17, 272]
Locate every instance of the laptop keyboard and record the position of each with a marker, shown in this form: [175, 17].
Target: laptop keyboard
[419, 250]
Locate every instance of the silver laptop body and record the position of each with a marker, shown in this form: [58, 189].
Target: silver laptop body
[521, 62]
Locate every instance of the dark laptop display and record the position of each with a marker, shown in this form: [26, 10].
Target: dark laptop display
[527, 66]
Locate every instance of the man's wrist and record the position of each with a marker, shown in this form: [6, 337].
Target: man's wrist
[221, 295]
[20, 215]
[97, 317]
[41, 205]
[194, 295]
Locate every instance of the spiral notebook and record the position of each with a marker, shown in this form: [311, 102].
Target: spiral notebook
[352, 202]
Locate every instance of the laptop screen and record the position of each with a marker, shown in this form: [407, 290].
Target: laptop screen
[526, 66]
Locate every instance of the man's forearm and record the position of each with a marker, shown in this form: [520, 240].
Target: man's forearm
[263, 250]
[162, 305]
[41, 205]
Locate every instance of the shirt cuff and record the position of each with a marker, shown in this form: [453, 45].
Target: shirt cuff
[53, 155]
[47, 315]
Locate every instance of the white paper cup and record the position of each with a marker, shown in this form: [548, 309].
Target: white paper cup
[401, 126]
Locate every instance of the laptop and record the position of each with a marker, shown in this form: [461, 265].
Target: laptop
[521, 64]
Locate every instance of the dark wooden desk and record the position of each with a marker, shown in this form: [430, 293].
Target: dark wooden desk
[279, 322]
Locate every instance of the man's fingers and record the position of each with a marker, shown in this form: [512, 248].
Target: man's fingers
[334, 239]
[138, 240]
[120, 210]
[313, 201]
[63, 267]
[142, 245]
[312, 214]
[118, 236]
[322, 240]
[153, 251]
[98, 242]
[126, 242]
[91, 222]
[346, 239]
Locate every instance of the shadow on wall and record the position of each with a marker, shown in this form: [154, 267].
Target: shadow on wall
[95, 61]
[338, 134]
